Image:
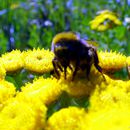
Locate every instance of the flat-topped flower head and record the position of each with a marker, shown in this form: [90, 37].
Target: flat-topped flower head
[111, 61]
[12, 61]
[38, 61]
[20, 116]
[46, 90]
[2, 70]
[66, 119]
[7, 91]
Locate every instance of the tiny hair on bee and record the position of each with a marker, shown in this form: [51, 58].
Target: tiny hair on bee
[71, 50]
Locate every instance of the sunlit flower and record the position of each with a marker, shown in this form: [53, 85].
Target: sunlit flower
[103, 27]
[38, 61]
[111, 61]
[20, 116]
[109, 98]
[109, 106]
[105, 20]
[12, 61]
[66, 119]
[36, 104]
[111, 94]
[79, 87]
[46, 90]
[7, 90]
[2, 70]
[116, 118]
[83, 85]
[73, 118]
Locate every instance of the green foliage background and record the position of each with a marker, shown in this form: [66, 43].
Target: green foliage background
[33, 23]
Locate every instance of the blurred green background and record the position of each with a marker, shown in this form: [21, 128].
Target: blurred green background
[27, 24]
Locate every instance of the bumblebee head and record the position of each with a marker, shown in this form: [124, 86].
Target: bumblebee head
[63, 36]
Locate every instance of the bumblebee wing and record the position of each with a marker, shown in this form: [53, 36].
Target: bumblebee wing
[52, 47]
[92, 42]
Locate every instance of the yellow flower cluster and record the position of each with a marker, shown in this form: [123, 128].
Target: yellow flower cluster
[83, 86]
[46, 90]
[111, 61]
[105, 20]
[2, 70]
[38, 61]
[74, 118]
[66, 119]
[110, 104]
[27, 109]
[22, 116]
[23, 113]
[115, 93]
[12, 61]
[7, 90]
[109, 109]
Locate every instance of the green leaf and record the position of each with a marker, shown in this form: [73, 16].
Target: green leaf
[120, 32]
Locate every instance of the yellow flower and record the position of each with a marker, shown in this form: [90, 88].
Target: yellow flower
[25, 110]
[46, 90]
[105, 20]
[20, 116]
[83, 86]
[128, 60]
[38, 61]
[113, 119]
[2, 70]
[33, 100]
[66, 119]
[111, 61]
[73, 118]
[7, 90]
[102, 27]
[109, 108]
[115, 93]
[12, 61]
[79, 87]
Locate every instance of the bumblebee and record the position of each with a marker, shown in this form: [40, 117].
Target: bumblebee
[70, 50]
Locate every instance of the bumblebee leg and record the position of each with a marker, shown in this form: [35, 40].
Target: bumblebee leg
[54, 62]
[96, 61]
[76, 69]
[88, 67]
[59, 67]
[100, 70]
[65, 71]
[70, 67]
